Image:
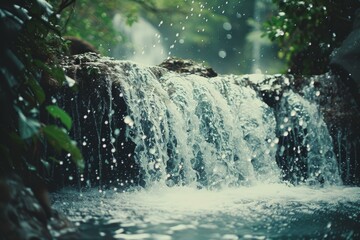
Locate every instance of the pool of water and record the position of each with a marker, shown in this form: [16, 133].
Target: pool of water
[273, 211]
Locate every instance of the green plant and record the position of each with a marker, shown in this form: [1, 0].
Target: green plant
[308, 31]
[92, 20]
[29, 65]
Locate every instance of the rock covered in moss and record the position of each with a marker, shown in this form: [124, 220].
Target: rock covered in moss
[188, 66]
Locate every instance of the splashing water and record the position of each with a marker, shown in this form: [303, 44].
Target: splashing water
[218, 132]
[258, 212]
[306, 142]
[208, 151]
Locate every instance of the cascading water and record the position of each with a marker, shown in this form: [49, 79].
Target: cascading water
[305, 144]
[189, 128]
[218, 132]
[210, 156]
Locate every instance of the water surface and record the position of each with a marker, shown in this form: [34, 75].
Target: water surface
[272, 211]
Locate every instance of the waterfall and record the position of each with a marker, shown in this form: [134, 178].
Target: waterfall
[146, 126]
[214, 132]
[189, 128]
[305, 143]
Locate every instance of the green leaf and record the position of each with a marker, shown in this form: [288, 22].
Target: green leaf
[12, 65]
[56, 72]
[60, 114]
[37, 90]
[46, 165]
[54, 160]
[30, 167]
[27, 126]
[61, 141]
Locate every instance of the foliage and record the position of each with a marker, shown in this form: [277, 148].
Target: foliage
[92, 20]
[29, 64]
[308, 31]
[190, 29]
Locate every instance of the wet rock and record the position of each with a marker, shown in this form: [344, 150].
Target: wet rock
[187, 66]
[21, 213]
[345, 60]
[337, 103]
[93, 107]
[79, 46]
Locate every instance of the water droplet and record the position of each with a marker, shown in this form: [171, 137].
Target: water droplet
[152, 151]
[279, 33]
[156, 165]
[128, 121]
[227, 26]
[328, 225]
[301, 122]
[222, 54]
[116, 132]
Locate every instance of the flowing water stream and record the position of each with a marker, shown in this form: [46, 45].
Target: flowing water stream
[208, 152]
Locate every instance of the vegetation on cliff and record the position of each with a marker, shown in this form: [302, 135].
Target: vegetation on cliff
[307, 32]
[30, 50]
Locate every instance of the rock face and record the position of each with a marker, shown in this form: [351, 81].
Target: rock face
[92, 108]
[336, 103]
[22, 215]
[346, 59]
[187, 66]
[109, 151]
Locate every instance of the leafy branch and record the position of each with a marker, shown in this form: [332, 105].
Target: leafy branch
[29, 63]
